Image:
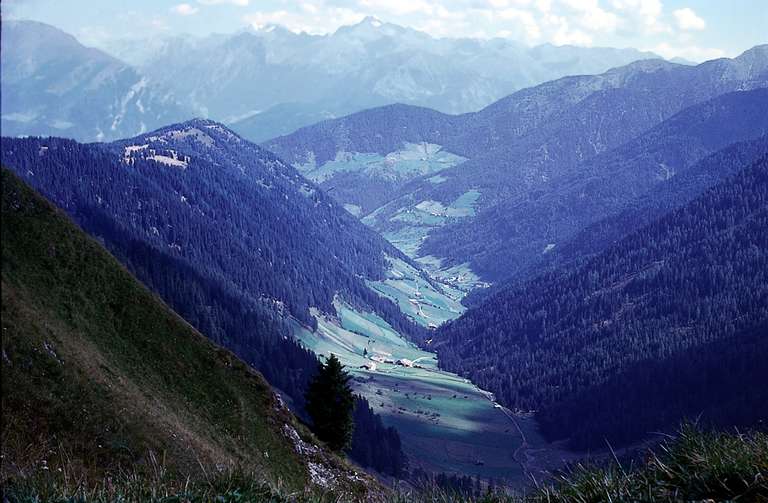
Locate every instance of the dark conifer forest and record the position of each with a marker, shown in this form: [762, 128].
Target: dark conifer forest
[373, 444]
[653, 328]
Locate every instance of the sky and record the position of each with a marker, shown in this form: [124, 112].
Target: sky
[696, 30]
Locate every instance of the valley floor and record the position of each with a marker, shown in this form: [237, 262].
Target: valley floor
[446, 423]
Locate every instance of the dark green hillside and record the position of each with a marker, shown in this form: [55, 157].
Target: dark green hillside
[692, 465]
[98, 373]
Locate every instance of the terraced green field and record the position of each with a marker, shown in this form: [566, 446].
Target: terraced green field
[456, 281]
[446, 423]
[412, 160]
[416, 296]
[407, 238]
[406, 223]
[435, 214]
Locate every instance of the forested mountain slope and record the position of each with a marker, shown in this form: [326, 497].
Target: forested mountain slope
[518, 235]
[652, 205]
[522, 147]
[230, 236]
[639, 211]
[100, 376]
[661, 303]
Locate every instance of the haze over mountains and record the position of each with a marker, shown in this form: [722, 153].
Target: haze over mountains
[53, 85]
[257, 80]
[534, 160]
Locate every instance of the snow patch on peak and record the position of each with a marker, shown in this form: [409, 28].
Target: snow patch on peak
[372, 21]
[168, 158]
[204, 131]
[194, 133]
[223, 131]
[134, 91]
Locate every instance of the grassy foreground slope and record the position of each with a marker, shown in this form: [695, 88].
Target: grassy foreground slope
[99, 376]
[693, 466]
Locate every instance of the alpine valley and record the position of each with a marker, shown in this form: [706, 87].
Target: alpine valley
[419, 278]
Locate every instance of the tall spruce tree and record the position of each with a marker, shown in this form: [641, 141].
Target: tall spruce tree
[330, 403]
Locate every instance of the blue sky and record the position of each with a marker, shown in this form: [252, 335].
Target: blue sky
[692, 29]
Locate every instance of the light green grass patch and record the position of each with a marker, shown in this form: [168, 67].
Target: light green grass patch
[415, 296]
[457, 281]
[353, 209]
[414, 221]
[412, 160]
[437, 179]
[407, 238]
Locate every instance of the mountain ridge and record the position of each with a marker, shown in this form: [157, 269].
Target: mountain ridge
[374, 65]
[53, 85]
[514, 150]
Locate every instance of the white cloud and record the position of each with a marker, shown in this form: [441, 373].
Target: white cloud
[184, 9]
[642, 16]
[309, 7]
[687, 19]
[589, 15]
[239, 3]
[325, 20]
[560, 22]
[503, 4]
[565, 35]
[577, 22]
[689, 52]
[526, 20]
[398, 7]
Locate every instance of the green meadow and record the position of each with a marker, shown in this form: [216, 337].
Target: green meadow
[414, 159]
[446, 423]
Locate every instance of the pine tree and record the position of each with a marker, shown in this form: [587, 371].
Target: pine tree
[330, 403]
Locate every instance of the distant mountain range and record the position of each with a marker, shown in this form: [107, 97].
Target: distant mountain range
[53, 85]
[500, 188]
[264, 82]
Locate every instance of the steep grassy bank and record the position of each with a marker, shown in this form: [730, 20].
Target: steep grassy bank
[100, 378]
[694, 466]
